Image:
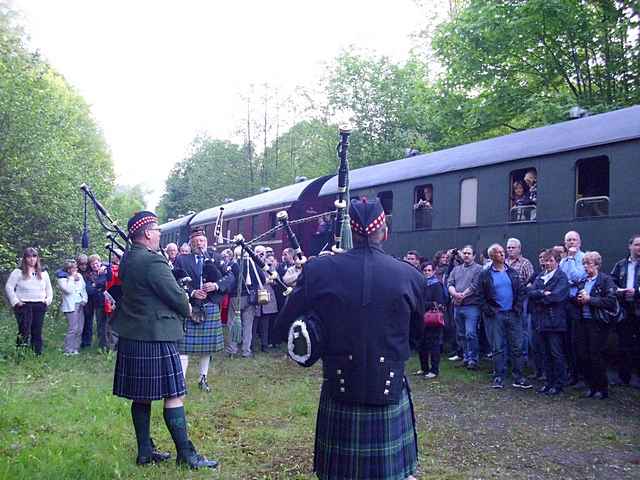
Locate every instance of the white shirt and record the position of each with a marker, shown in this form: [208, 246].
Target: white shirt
[547, 276]
[31, 289]
[73, 292]
[631, 272]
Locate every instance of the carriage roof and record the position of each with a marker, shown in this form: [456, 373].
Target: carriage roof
[602, 129]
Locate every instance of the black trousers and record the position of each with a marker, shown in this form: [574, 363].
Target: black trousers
[30, 319]
[555, 366]
[591, 342]
[87, 330]
[429, 349]
[570, 341]
[628, 331]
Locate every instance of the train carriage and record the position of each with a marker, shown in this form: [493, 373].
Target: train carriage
[586, 172]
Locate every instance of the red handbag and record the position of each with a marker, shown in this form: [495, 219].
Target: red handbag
[434, 318]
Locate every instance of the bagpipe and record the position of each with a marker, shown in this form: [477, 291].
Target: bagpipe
[305, 339]
[118, 238]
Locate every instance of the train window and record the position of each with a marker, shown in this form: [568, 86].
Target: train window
[592, 187]
[273, 221]
[254, 222]
[386, 199]
[468, 201]
[523, 195]
[423, 206]
[239, 226]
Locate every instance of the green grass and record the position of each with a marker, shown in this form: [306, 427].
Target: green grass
[59, 420]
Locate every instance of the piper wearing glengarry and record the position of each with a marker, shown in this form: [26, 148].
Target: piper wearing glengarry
[148, 321]
[211, 279]
[366, 303]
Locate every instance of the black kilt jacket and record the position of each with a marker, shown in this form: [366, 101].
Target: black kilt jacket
[368, 304]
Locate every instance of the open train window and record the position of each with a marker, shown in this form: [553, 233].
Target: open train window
[592, 187]
[523, 195]
[239, 226]
[254, 222]
[423, 206]
[386, 199]
[273, 221]
[468, 201]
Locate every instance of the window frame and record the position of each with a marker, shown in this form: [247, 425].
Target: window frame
[460, 197]
[532, 209]
[578, 166]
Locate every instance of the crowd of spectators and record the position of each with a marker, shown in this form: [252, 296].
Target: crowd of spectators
[555, 318]
[550, 321]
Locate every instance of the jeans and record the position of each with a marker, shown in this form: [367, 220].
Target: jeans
[30, 317]
[555, 366]
[507, 325]
[467, 318]
[526, 332]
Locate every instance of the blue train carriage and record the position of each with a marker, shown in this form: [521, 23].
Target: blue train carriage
[585, 174]
[175, 231]
[255, 215]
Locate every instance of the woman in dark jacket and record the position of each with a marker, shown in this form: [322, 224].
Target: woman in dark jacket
[597, 292]
[432, 338]
[547, 297]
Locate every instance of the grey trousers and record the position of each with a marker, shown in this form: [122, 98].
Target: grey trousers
[74, 334]
[247, 313]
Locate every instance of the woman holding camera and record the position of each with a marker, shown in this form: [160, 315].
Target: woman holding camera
[596, 295]
[74, 298]
[29, 292]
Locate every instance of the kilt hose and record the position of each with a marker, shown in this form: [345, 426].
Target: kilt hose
[148, 370]
[372, 442]
[205, 337]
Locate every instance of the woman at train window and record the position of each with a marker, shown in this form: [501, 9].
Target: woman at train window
[519, 196]
[597, 292]
[425, 198]
[29, 292]
[548, 296]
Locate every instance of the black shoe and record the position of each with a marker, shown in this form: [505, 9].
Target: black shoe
[600, 395]
[204, 386]
[156, 456]
[497, 383]
[192, 459]
[554, 391]
[544, 389]
[590, 393]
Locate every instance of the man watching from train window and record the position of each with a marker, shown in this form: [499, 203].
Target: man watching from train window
[573, 268]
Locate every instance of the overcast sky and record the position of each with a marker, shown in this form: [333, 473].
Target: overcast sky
[156, 73]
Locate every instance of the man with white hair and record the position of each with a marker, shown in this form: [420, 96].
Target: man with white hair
[502, 295]
[525, 270]
[572, 266]
[172, 252]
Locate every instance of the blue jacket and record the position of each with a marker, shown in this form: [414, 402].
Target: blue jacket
[549, 311]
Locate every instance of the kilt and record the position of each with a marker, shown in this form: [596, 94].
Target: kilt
[373, 442]
[148, 370]
[205, 337]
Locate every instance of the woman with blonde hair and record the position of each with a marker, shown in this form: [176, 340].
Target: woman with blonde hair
[74, 298]
[29, 292]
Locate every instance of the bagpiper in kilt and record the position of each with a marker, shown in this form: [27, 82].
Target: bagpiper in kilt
[149, 321]
[365, 305]
[210, 280]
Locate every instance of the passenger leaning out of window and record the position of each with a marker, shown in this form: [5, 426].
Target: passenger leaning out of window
[425, 198]
[29, 292]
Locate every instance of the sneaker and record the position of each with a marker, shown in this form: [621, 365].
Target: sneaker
[67, 354]
[522, 383]
[497, 383]
[430, 375]
[419, 372]
[204, 386]
[455, 358]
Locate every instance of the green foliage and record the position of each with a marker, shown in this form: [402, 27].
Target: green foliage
[215, 170]
[49, 145]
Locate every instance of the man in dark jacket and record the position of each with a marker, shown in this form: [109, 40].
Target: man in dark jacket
[502, 295]
[366, 302]
[626, 275]
[148, 321]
